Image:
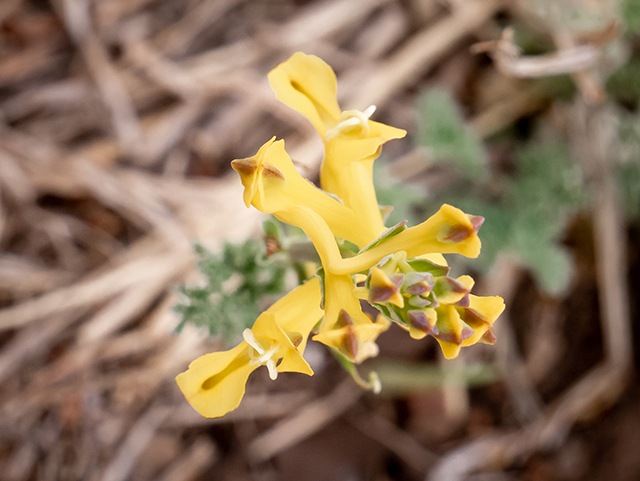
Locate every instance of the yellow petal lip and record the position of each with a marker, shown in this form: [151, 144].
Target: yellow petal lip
[250, 170]
[308, 85]
[452, 331]
[481, 314]
[215, 383]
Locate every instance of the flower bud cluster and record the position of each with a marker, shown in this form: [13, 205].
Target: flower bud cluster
[419, 295]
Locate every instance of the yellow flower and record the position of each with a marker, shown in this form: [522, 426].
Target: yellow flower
[215, 383]
[465, 326]
[273, 185]
[448, 231]
[352, 141]
[353, 339]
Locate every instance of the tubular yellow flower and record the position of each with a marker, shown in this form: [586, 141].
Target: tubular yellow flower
[273, 185]
[352, 141]
[480, 315]
[464, 326]
[215, 383]
[353, 339]
[448, 231]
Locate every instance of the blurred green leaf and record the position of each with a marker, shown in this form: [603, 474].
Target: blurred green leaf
[447, 137]
[235, 280]
[631, 15]
[624, 84]
[403, 199]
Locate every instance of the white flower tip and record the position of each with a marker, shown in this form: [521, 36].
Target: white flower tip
[368, 112]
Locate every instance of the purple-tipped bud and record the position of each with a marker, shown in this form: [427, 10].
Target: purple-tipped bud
[464, 302]
[451, 291]
[420, 321]
[417, 283]
[384, 288]
[453, 337]
[489, 337]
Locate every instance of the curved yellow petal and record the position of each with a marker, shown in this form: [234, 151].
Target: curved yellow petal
[266, 327]
[360, 146]
[299, 310]
[215, 383]
[308, 85]
[338, 296]
[450, 327]
[484, 311]
[347, 167]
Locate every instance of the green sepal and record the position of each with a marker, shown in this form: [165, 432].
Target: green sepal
[424, 265]
[386, 235]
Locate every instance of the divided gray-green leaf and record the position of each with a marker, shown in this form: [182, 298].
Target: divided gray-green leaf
[526, 212]
[444, 133]
[235, 280]
[403, 201]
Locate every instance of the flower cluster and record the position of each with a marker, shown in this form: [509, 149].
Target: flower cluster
[400, 270]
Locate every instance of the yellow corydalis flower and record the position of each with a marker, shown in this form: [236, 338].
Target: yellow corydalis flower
[215, 383]
[352, 339]
[464, 326]
[273, 185]
[448, 231]
[351, 140]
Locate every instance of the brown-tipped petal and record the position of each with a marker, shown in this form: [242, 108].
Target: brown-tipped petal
[416, 283]
[458, 233]
[472, 318]
[455, 337]
[476, 221]
[350, 344]
[451, 291]
[466, 333]
[344, 320]
[489, 337]
[272, 172]
[295, 337]
[245, 167]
